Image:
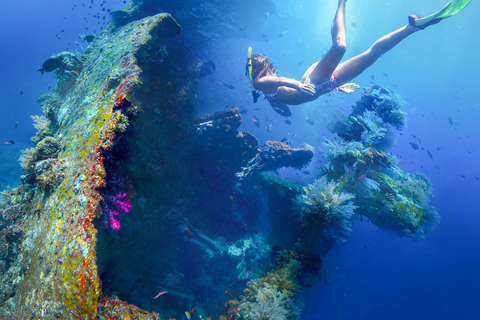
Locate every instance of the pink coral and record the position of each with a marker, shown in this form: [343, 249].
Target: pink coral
[120, 200]
[112, 205]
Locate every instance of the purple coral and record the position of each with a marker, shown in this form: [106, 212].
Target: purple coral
[115, 202]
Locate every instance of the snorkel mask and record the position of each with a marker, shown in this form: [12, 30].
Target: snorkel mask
[248, 71]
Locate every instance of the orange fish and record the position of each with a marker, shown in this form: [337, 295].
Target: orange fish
[361, 177]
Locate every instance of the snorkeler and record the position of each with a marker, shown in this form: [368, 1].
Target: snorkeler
[328, 74]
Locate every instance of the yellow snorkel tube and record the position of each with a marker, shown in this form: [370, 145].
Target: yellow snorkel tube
[248, 74]
[249, 64]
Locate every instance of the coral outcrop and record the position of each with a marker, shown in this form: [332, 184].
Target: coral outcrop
[356, 157]
[88, 119]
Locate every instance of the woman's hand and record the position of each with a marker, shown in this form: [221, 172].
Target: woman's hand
[308, 88]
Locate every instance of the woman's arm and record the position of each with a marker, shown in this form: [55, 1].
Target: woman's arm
[270, 84]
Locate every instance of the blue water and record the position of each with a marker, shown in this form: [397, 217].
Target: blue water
[376, 274]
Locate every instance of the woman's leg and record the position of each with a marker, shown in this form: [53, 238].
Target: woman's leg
[324, 68]
[353, 67]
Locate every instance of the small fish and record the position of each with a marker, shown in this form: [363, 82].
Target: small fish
[264, 37]
[462, 176]
[239, 314]
[268, 14]
[430, 154]
[51, 65]
[229, 86]
[88, 38]
[21, 92]
[360, 178]
[301, 62]
[187, 314]
[365, 246]
[354, 25]
[450, 121]
[161, 293]
[9, 142]
[16, 124]
[188, 232]
[281, 35]
[386, 75]
[256, 122]
[477, 178]
[288, 122]
[120, 18]
[414, 145]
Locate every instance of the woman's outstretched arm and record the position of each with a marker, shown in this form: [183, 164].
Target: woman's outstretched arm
[270, 84]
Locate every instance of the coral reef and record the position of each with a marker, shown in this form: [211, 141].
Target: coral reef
[68, 72]
[43, 125]
[40, 163]
[323, 205]
[254, 255]
[356, 157]
[377, 111]
[113, 203]
[275, 296]
[78, 151]
[282, 155]
[374, 132]
[118, 135]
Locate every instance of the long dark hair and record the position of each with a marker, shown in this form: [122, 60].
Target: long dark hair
[261, 67]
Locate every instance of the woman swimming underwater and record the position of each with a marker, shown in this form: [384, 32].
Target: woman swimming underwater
[328, 73]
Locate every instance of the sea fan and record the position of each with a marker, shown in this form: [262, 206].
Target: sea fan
[337, 149]
[27, 159]
[40, 123]
[374, 132]
[269, 303]
[430, 220]
[369, 184]
[417, 188]
[329, 206]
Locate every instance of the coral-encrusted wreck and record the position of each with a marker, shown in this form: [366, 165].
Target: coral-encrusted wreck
[119, 193]
[130, 208]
